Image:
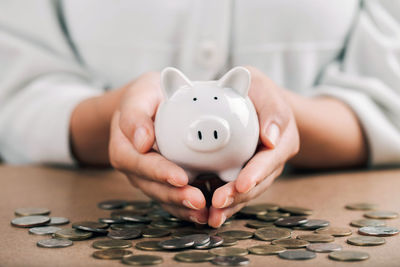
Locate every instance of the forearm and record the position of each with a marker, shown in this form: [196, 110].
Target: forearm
[90, 128]
[330, 133]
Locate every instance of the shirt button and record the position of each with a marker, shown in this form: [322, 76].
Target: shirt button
[207, 53]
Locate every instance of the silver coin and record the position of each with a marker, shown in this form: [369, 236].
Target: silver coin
[215, 241]
[230, 260]
[313, 224]
[44, 230]
[112, 204]
[199, 239]
[30, 221]
[297, 255]
[378, 230]
[291, 221]
[135, 218]
[111, 220]
[324, 247]
[176, 243]
[58, 221]
[125, 234]
[54, 243]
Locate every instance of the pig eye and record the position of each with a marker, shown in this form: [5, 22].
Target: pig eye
[194, 98]
[215, 97]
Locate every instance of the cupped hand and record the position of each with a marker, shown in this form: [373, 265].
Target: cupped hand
[131, 151]
[279, 142]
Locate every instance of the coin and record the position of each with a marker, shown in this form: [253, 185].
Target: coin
[269, 234]
[296, 210]
[125, 233]
[54, 243]
[290, 243]
[72, 234]
[291, 221]
[348, 255]
[194, 256]
[253, 210]
[366, 240]
[171, 218]
[111, 253]
[229, 241]
[317, 238]
[367, 222]
[165, 224]
[259, 224]
[230, 260]
[268, 217]
[313, 224]
[148, 245]
[95, 227]
[324, 247]
[44, 230]
[30, 221]
[135, 218]
[268, 206]
[215, 241]
[381, 214]
[58, 221]
[142, 260]
[378, 231]
[361, 206]
[112, 243]
[176, 243]
[229, 251]
[122, 226]
[297, 255]
[266, 249]
[112, 204]
[118, 214]
[335, 231]
[111, 220]
[237, 234]
[31, 211]
[199, 239]
[178, 233]
[155, 232]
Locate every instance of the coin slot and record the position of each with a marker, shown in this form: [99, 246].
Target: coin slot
[216, 98]
[215, 134]
[194, 98]
[199, 134]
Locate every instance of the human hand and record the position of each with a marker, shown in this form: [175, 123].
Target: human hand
[279, 142]
[131, 142]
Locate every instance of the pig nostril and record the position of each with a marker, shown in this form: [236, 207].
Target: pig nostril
[215, 134]
[199, 134]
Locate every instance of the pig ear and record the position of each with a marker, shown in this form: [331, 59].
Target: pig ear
[171, 80]
[238, 79]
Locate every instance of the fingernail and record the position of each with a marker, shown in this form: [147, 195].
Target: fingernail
[273, 134]
[194, 219]
[223, 218]
[228, 202]
[140, 138]
[188, 204]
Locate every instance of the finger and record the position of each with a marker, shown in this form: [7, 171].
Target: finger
[218, 216]
[150, 165]
[196, 216]
[186, 196]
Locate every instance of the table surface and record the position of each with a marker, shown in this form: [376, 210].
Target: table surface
[75, 194]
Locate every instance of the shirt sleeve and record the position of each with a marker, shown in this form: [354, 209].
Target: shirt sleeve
[367, 78]
[41, 82]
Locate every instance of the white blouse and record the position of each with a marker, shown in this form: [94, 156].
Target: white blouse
[54, 54]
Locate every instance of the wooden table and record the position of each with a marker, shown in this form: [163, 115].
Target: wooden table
[74, 194]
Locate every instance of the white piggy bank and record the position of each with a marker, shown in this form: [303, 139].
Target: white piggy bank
[208, 126]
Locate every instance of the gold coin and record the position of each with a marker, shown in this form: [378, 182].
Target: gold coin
[111, 254]
[194, 256]
[290, 243]
[367, 222]
[142, 260]
[229, 241]
[348, 255]
[366, 240]
[361, 206]
[296, 210]
[259, 224]
[112, 243]
[73, 234]
[229, 251]
[31, 211]
[317, 238]
[266, 206]
[237, 234]
[335, 231]
[266, 249]
[381, 214]
[253, 210]
[270, 233]
[149, 245]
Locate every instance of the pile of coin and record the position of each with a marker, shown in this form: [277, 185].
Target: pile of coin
[272, 225]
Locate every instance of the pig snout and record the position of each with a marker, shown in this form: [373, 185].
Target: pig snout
[207, 134]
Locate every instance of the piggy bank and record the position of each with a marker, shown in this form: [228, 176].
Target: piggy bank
[207, 126]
